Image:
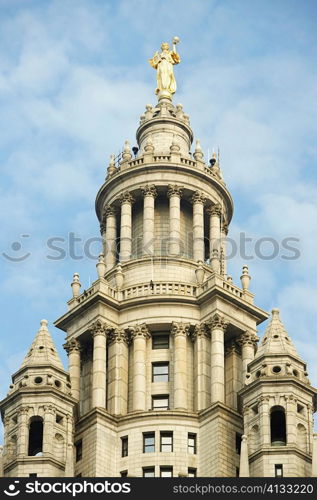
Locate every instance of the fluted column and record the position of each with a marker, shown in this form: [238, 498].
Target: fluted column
[48, 431]
[149, 193]
[174, 193]
[72, 347]
[126, 201]
[233, 374]
[180, 332]
[109, 236]
[217, 326]
[118, 373]
[23, 431]
[99, 368]
[198, 227]
[214, 236]
[201, 390]
[247, 341]
[140, 334]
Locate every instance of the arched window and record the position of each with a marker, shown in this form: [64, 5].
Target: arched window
[278, 426]
[35, 437]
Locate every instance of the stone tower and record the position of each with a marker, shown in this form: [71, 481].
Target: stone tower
[38, 414]
[278, 404]
[161, 347]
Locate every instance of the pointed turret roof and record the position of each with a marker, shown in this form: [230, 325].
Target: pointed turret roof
[43, 350]
[276, 339]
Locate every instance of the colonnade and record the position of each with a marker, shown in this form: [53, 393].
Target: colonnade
[213, 332]
[109, 230]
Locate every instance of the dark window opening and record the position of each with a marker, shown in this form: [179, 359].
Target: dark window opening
[237, 472]
[192, 472]
[33, 474]
[166, 471]
[124, 446]
[149, 442]
[124, 473]
[192, 444]
[278, 426]
[148, 472]
[160, 341]
[35, 447]
[166, 441]
[278, 470]
[79, 450]
[238, 443]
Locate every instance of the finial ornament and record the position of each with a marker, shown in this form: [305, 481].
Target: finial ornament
[163, 62]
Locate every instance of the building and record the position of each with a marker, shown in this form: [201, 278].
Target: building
[164, 377]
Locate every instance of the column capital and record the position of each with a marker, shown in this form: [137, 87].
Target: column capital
[248, 338]
[198, 197]
[215, 210]
[118, 335]
[149, 190]
[98, 328]
[72, 345]
[180, 329]
[126, 197]
[200, 331]
[174, 190]
[109, 210]
[140, 331]
[24, 410]
[232, 348]
[49, 410]
[217, 322]
[225, 228]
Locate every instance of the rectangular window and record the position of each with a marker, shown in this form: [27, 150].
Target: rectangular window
[160, 372]
[238, 443]
[124, 473]
[160, 402]
[192, 444]
[160, 341]
[79, 450]
[278, 470]
[166, 471]
[149, 442]
[59, 419]
[124, 446]
[166, 441]
[192, 472]
[33, 474]
[148, 472]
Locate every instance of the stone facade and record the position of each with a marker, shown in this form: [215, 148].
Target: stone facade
[164, 374]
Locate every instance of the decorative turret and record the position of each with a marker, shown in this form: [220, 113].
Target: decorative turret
[278, 402]
[38, 414]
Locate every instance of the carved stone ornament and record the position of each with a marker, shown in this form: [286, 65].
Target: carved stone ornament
[72, 345]
[149, 190]
[174, 190]
[126, 197]
[198, 198]
[180, 329]
[217, 322]
[140, 331]
[215, 210]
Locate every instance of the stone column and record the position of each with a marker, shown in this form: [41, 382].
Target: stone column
[247, 341]
[244, 458]
[198, 227]
[126, 201]
[140, 334]
[72, 347]
[180, 332]
[48, 430]
[23, 432]
[201, 391]
[233, 373]
[314, 457]
[214, 236]
[223, 250]
[174, 193]
[118, 373]
[69, 462]
[265, 424]
[99, 368]
[109, 236]
[149, 193]
[217, 327]
[290, 415]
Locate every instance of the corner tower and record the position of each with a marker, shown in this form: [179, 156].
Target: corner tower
[278, 405]
[38, 414]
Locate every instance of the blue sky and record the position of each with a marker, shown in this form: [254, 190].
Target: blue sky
[74, 78]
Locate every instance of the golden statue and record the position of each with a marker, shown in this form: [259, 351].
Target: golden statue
[163, 62]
